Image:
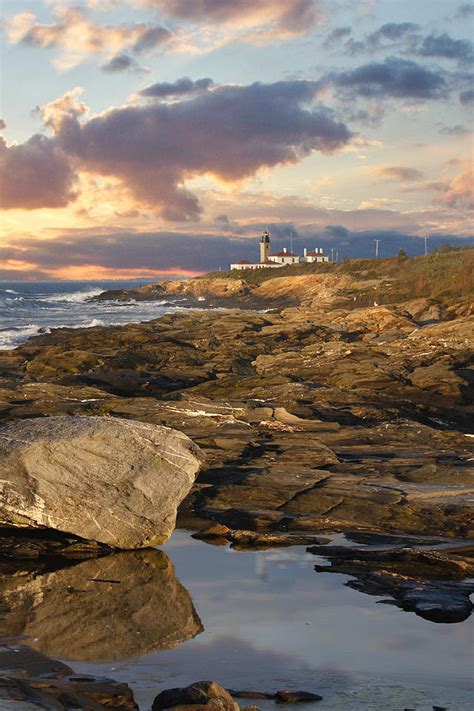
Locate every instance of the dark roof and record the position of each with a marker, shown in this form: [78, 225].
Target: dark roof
[315, 254]
[281, 253]
[244, 261]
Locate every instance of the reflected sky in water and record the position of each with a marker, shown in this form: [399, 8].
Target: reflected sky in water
[272, 622]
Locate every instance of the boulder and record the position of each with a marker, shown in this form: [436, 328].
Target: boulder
[100, 478]
[202, 695]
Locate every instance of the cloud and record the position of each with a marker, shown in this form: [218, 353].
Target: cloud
[336, 36]
[389, 36]
[467, 97]
[230, 132]
[397, 78]
[142, 251]
[424, 187]
[35, 174]
[286, 16]
[389, 33]
[122, 63]
[68, 105]
[397, 172]
[181, 87]
[78, 37]
[222, 220]
[177, 252]
[459, 192]
[407, 38]
[150, 38]
[456, 130]
[127, 214]
[445, 47]
[466, 10]
[199, 26]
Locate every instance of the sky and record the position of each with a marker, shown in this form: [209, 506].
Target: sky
[146, 137]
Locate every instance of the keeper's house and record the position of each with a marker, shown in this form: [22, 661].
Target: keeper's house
[283, 258]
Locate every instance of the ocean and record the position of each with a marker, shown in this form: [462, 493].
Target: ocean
[30, 308]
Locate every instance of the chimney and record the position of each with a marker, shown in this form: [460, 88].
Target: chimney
[305, 252]
[285, 250]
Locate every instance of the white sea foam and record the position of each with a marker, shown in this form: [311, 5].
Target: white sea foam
[11, 337]
[37, 311]
[76, 298]
[87, 324]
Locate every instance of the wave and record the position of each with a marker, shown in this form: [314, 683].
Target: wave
[77, 297]
[91, 324]
[7, 301]
[88, 324]
[13, 336]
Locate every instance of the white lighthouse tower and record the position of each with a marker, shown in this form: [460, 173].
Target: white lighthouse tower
[265, 247]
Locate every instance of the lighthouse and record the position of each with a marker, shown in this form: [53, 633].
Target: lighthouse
[265, 247]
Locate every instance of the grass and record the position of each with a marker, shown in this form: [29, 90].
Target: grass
[445, 276]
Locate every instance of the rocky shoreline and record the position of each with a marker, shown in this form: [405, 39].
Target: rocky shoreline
[319, 420]
[313, 419]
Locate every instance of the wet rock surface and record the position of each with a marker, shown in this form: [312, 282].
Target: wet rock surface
[434, 584]
[30, 680]
[284, 696]
[40, 548]
[211, 696]
[243, 540]
[202, 695]
[110, 480]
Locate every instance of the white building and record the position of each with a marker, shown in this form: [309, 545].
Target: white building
[283, 258]
[245, 264]
[317, 255]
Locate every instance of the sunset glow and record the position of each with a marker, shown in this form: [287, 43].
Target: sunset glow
[188, 128]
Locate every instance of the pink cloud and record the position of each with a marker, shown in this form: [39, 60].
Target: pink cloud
[78, 37]
[284, 17]
[230, 132]
[35, 174]
[459, 192]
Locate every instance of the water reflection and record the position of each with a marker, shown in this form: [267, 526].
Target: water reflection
[102, 610]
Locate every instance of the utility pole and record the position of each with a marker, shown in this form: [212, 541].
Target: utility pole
[337, 256]
[291, 242]
[426, 244]
[377, 242]
[332, 254]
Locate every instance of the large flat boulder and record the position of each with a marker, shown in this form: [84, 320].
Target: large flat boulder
[100, 478]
